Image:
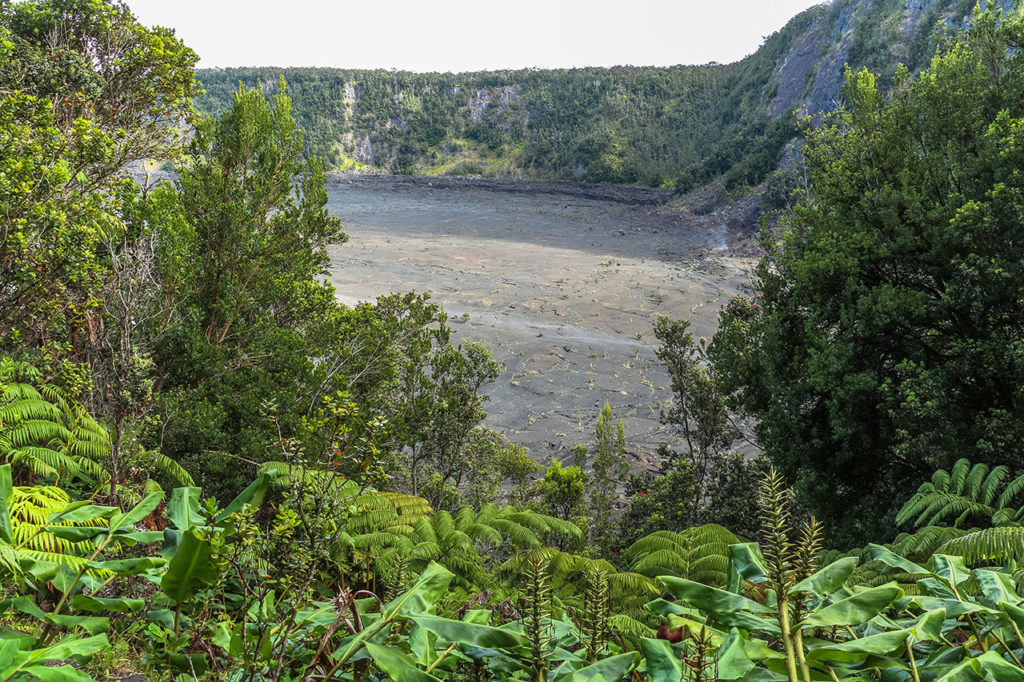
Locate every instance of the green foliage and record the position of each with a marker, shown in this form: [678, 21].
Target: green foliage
[30, 509]
[827, 628]
[86, 90]
[887, 315]
[465, 543]
[850, 358]
[977, 493]
[95, 63]
[697, 410]
[700, 553]
[609, 470]
[562, 492]
[967, 492]
[42, 431]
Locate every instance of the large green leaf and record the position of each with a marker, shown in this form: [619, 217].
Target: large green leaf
[732, 660]
[998, 668]
[397, 665]
[92, 604]
[710, 599]
[745, 560]
[63, 673]
[252, 495]
[421, 643]
[94, 625]
[91, 624]
[471, 634]
[128, 566]
[137, 513]
[954, 608]
[663, 607]
[70, 647]
[423, 595]
[828, 579]
[878, 644]
[928, 627]
[997, 587]
[990, 666]
[856, 609]
[190, 569]
[9, 648]
[966, 671]
[82, 512]
[950, 568]
[663, 664]
[1014, 613]
[133, 537]
[417, 600]
[183, 508]
[890, 558]
[77, 533]
[607, 669]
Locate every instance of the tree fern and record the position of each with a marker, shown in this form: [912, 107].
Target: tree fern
[977, 492]
[700, 553]
[29, 509]
[45, 433]
[966, 492]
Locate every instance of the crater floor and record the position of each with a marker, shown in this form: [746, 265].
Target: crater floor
[563, 290]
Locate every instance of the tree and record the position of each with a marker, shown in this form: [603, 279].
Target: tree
[456, 408]
[251, 337]
[50, 270]
[85, 90]
[93, 61]
[435, 401]
[697, 410]
[562, 492]
[886, 341]
[490, 462]
[609, 470]
[517, 468]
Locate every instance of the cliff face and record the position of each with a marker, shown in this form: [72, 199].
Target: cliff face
[681, 126]
[877, 34]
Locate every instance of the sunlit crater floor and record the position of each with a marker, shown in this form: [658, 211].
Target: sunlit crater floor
[563, 290]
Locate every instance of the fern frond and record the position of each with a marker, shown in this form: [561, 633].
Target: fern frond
[487, 513]
[517, 534]
[18, 391]
[629, 627]
[632, 584]
[698, 553]
[966, 491]
[1011, 492]
[31, 407]
[170, 468]
[31, 431]
[483, 533]
[991, 546]
[924, 542]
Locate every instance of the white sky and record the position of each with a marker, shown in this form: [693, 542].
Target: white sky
[468, 35]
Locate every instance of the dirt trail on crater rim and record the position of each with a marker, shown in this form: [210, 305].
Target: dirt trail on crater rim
[564, 290]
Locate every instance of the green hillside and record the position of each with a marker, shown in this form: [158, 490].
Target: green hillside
[679, 126]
